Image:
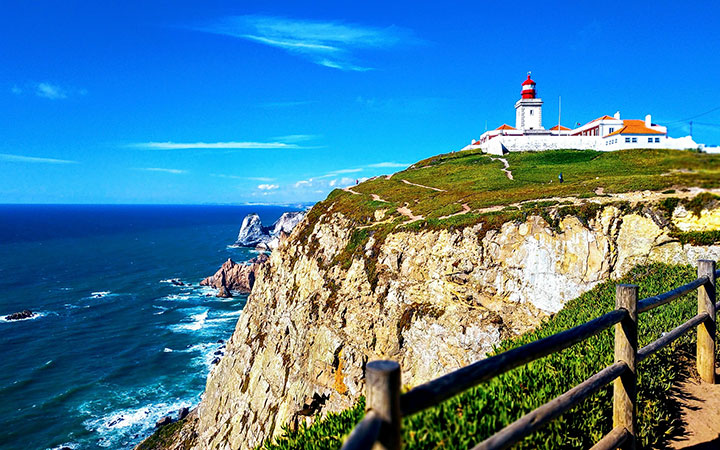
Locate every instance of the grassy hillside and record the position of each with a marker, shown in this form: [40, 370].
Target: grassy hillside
[478, 181]
[466, 419]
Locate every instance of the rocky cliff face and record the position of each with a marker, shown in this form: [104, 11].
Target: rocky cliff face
[432, 300]
[253, 234]
[235, 277]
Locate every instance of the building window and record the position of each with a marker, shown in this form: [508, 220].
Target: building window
[531, 112]
[634, 139]
[611, 130]
[627, 139]
[657, 139]
[650, 139]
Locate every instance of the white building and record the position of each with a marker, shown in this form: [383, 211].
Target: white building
[606, 133]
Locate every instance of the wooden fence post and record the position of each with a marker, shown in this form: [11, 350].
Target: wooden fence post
[706, 330]
[624, 392]
[382, 384]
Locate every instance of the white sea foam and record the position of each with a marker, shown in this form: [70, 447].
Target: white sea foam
[167, 350]
[100, 294]
[70, 445]
[118, 426]
[198, 322]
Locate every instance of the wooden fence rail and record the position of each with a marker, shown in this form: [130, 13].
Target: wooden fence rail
[381, 427]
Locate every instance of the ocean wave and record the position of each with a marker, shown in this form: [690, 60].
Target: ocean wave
[100, 294]
[70, 445]
[198, 322]
[121, 426]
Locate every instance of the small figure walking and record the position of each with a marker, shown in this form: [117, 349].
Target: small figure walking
[560, 177]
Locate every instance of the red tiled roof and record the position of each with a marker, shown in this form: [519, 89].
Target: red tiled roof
[505, 127]
[635, 126]
[605, 117]
[560, 127]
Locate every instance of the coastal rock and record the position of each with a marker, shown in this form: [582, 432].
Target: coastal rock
[254, 234]
[433, 300]
[252, 231]
[223, 292]
[162, 422]
[235, 277]
[183, 412]
[24, 314]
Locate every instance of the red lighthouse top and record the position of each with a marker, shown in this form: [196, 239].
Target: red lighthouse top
[528, 88]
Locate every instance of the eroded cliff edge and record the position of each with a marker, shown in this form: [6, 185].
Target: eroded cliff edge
[331, 299]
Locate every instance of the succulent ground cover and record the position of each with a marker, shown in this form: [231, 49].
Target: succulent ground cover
[468, 418]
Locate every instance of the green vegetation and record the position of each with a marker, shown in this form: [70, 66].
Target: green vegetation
[468, 418]
[476, 179]
[164, 437]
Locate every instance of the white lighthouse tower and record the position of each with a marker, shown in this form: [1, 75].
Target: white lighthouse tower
[528, 110]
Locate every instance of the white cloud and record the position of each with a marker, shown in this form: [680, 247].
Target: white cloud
[327, 43]
[212, 145]
[267, 187]
[50, 91]
[293, 138]
[238, 177]
[388, 164]
[160, 169]
[304, 183]
[33, 159]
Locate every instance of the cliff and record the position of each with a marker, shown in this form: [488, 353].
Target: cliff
[370, 274]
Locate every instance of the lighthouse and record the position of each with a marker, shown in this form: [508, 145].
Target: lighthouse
[528, 110]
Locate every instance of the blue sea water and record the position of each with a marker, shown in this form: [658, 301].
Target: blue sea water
[115, 346]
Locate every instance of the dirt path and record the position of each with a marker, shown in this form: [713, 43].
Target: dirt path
[426, 187]
[405, 211]
[506, 164]
[377, 198]
[349, 189]
[465, 210]
[700, 414]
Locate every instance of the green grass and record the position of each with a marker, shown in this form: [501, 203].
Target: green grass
[474, 178]
[468, 418]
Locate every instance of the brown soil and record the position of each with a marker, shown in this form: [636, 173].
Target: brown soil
[700, 415]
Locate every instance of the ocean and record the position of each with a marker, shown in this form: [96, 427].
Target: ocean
[115, 345]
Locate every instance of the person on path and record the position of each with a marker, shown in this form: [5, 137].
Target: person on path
[560, 177]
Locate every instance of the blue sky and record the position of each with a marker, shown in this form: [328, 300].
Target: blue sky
[231, 102]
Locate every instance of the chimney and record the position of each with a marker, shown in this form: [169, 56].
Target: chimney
[617, 115]
[648, 121]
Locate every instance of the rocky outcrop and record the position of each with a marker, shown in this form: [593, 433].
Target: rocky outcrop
[24, 314]
[235, 277]
[254, 234]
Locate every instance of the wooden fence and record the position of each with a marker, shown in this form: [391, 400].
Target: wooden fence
[381, 427]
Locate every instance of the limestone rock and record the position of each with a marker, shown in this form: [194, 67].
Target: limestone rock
[254, 234]
[432, 300]
[251, 232]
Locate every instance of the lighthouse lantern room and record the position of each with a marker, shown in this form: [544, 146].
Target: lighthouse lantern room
[528, 110]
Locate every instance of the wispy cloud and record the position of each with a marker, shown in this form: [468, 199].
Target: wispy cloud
[331, 44]
[47, 90]
[288, 104]
[161, 169]
[212, 145]
[239, 177]
[267, 187]
[50, 91]
[294, 138]
[387, 164]
[33, 159]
